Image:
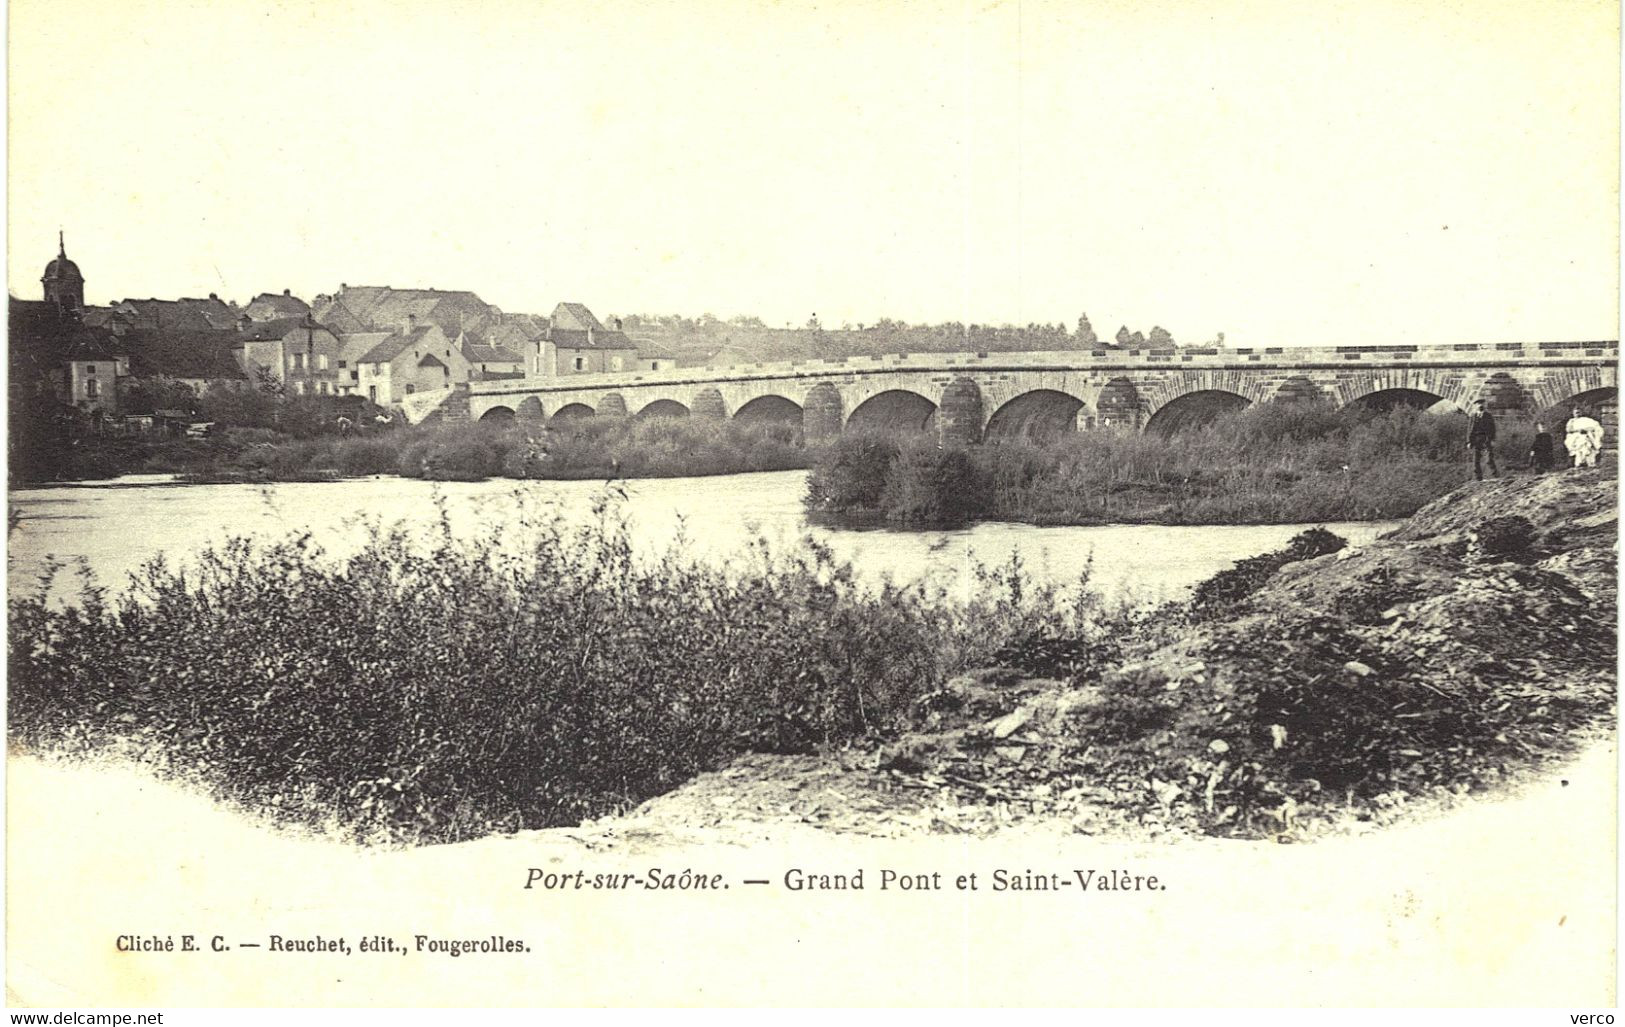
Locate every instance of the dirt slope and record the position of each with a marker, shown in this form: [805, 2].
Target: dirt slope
[1474, 645]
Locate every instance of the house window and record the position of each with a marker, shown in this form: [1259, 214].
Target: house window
[321, 362]
[341, 365]
[411, 389]
[617, 363]
[298, 361]
[372, 393]
[581, 363]
[321, 387]
[299, 388]
[91, 388]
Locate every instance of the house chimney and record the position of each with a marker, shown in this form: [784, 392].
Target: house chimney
[285, 292]
[243, 323]
[411, 323]
[213, 296]
[617, 324]
[589, 335]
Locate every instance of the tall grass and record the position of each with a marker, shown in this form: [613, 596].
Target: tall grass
[1274, 463]
[432, 689]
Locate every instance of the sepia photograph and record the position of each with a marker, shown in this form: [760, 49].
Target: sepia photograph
[544, 503]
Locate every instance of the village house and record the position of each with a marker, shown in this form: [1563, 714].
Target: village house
[519, 334]
[417, 358]
[200, 359]
[198, 315]
[577, 343]
[271, 307]
[378, 308]
[352, 348]
[55, 356]
[259, 346]
[309, 354]
[654, 358]
[490, 361]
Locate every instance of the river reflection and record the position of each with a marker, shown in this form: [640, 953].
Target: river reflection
[117, 526]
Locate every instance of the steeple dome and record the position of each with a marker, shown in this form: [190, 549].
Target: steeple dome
[63, 283]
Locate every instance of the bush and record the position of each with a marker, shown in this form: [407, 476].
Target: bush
[1503, 537]
[1227, 588]
[931, 486]
[426, 690]
[851, 475]
[1273, 463]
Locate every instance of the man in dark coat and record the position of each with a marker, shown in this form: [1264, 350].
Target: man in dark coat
[1481, 440]
[1540, 454]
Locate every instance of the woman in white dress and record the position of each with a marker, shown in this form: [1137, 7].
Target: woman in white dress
[1582, 437]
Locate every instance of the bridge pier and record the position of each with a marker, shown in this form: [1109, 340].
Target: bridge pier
[455, 409]
[959, 414]
[708, 404]
[823, 414]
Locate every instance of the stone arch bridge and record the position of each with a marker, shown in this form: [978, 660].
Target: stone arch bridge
[971, 398]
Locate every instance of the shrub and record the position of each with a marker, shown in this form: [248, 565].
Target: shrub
[1229, 587]
[1503, 537]
[851, 475]
[928, 485]
[428, 690]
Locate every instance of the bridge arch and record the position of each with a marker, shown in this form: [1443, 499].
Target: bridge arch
[1590, 401]
[769, 409]
[896, 410]
[570, 411]
[497, 415]
[1398, 386]
[1194, 410]
[663, 408]
[1564, 385]
[530, 409]
[1160, 393]
[1037, 415]
[1602, 404]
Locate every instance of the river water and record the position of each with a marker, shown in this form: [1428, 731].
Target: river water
[117, 526]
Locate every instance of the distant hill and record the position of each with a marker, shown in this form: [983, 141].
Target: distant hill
[728, 343]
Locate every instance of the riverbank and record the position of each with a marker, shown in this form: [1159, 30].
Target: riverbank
[1270, 464]
[561, 450]
[1338, 690]
[1274, 464]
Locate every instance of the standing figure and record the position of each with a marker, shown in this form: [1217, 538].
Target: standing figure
[1481, 440]
[1540, 454]
[1582, 437]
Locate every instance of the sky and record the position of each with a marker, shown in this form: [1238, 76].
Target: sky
[1283, 172]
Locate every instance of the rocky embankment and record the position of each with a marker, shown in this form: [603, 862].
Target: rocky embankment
[1462, 652]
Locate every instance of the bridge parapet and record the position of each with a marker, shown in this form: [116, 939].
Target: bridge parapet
[1285, 358]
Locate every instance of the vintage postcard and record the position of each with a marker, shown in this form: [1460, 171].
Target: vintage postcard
[1019, 503]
